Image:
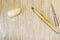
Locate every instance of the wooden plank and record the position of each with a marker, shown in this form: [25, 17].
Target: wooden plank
[27, 26]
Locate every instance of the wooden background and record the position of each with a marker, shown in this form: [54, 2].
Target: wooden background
[27, 26]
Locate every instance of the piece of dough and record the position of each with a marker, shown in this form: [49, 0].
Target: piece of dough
[14, 12]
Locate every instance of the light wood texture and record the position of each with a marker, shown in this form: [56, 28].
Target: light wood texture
[27, 26]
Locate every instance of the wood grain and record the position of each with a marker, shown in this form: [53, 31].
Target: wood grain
[27, 26]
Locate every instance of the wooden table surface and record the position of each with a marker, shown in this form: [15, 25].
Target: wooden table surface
[27, 25]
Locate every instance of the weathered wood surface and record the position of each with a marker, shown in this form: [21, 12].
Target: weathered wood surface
[27, 26]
